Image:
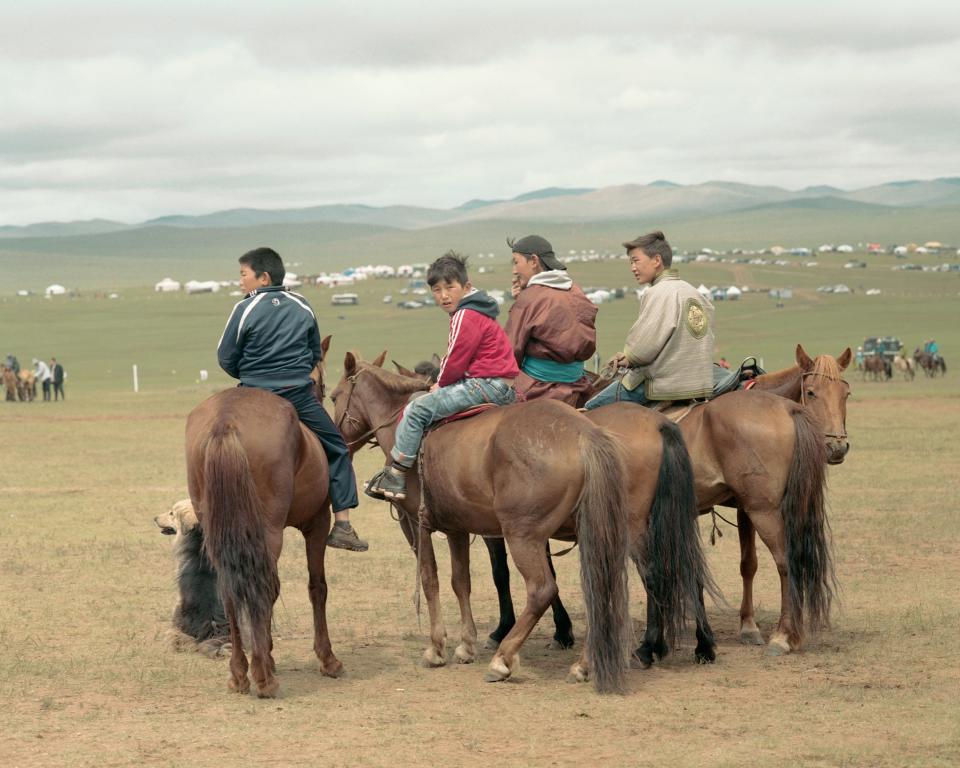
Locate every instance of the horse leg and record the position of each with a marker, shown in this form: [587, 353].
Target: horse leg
[563, 627]
[239, 682]
[786, 637]
[531, 561]
[434, 655]
[262, 666]
[654, 646]
[706, 650]
[459, 544]
[749, 631]
[501, 580]
[315, 540]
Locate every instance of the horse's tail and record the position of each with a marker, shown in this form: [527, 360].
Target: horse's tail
[676, 571]
[602, 532]
[810, 572]
[233, 535]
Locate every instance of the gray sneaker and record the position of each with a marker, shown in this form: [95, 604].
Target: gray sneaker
[346, 538]
[391, 483]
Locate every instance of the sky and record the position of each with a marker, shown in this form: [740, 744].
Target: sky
[133, 110]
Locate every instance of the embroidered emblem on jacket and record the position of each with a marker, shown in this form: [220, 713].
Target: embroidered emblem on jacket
[276, 302]
[696, 318]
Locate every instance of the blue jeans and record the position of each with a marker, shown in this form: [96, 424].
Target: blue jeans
[446, 401]
[616, 392]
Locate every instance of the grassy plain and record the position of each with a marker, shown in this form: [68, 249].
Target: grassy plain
[87, 679]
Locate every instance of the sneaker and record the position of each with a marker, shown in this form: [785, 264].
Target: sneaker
[391, 483]
[346, 538]
[371, 487]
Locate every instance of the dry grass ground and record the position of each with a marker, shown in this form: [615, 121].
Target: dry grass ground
[87, 678]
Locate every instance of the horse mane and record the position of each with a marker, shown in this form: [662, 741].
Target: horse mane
[396, 384]
[826, 366]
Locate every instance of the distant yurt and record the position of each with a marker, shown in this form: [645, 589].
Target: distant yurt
[201, 286]
[733, 293]
[55, 290]
[167, 285]
[703, 290]
[291, 280]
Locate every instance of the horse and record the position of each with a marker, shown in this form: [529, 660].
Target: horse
[906, 366]
[27, 385]
[529, 472]
[252, 470]
[931, 364]
[877, 366]
[11, 384]
[765, 455]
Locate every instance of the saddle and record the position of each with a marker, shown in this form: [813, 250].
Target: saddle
[724, 381]
[472, 411]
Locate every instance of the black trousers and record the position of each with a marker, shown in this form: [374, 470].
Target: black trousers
[46, 389]
[343, 484]
[58, 391]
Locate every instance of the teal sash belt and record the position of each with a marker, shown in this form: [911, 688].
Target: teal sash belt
[549, 370]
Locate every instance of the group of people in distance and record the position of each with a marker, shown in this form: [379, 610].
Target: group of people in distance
[49, 376]
[272, 341]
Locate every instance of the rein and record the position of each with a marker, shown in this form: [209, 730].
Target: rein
[370, 435]
[803, 400]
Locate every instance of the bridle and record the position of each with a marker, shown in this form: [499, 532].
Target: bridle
[803, 400]
[370, 436]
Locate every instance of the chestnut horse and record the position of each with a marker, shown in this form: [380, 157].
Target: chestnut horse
[530, 472]
[765, 456]
[252, 470]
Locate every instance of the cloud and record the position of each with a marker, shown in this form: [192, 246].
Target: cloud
[140, 109]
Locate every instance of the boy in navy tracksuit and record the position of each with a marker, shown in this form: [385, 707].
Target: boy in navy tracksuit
[272, 342]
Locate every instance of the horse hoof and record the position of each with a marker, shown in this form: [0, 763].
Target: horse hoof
[464, 655]
[333, 669]
[775, 648]
[577, 675]
[239, 686]
[559, 645]
[432, 659]
[640, 660]
[751, 638]
[497, 672]
[490, 644]
[704, 657]
[268, 691]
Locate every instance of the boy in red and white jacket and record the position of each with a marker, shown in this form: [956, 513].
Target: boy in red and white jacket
[479, 367]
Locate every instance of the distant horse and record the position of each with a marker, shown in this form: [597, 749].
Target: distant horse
[27, 385]
[530, 472]
[878, 367]
[765, 456]
[906, 366]
[11, 384]
[253, 469]
[931, 364]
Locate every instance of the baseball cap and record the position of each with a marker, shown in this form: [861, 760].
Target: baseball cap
[534, 245]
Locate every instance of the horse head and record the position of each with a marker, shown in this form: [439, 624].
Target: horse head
[825, 393]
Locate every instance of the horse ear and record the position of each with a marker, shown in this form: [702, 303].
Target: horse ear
[435, 359]
[325, 344]
[844, 360]
[380, 358]
[349, 364]
[404, 371]
[803, 359]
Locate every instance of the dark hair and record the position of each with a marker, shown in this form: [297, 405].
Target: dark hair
[653, 244]
[267, 260]
[450, 268]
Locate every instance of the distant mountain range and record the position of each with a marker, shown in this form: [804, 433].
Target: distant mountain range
[659, 199]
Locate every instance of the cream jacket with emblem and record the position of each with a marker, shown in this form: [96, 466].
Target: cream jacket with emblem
[670, 347]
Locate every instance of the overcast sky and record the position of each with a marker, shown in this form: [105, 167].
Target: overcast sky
[134, 109]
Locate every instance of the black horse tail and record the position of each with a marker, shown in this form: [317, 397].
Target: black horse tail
[803, 508]
[602, 532]
[676, 571]
[233, 535]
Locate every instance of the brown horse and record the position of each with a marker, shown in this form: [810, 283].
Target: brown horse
[878, 367]
[530, 472]
[931, 364]
[10, 383]
[253, 469]
[765, 456]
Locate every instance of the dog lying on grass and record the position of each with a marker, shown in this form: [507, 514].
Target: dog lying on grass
[199, 621]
